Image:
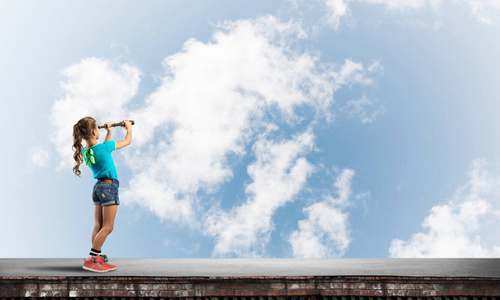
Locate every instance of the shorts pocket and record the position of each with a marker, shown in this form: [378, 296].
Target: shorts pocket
[106, 194]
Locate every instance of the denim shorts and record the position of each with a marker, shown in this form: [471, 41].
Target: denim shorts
[106, 192]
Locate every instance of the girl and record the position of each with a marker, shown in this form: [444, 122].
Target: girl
[105, 193]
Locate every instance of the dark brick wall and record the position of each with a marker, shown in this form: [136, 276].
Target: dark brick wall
[254, 288]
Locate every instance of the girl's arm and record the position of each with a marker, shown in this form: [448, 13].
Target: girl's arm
[128, 138]
[109, 129]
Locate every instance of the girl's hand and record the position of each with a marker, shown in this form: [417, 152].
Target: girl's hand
[128, 125]
[108, 127]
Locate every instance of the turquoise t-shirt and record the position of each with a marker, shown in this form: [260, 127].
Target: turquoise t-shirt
[102, 166]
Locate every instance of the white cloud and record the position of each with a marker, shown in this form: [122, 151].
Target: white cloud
[40, 156]
[324, 233]
[483, 9]
[337, 9]
[94, 87]
[375, 66]
[362, 109]
[214, 102]
[352, 73]
[458, 228]
[279, 173]
[402, 5]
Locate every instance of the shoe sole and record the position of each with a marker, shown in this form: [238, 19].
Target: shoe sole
[97, 271]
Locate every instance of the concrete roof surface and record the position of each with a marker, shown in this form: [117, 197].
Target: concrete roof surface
[236, 267]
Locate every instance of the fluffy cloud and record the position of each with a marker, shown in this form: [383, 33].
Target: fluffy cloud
[402, 5]
[40, 156]
[94, 87]
[339, 9]
[351, 73]
[363, 109]
[336, 10]
[279, 173]
[214, 99]
[324, 233]
[456, 229]
[217, 103]
[483, 9]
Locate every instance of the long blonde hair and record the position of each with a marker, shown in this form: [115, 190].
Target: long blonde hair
[81, 130]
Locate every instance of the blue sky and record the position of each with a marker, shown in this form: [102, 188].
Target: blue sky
[326, 128]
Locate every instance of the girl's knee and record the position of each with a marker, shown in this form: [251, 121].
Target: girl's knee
[107, 229]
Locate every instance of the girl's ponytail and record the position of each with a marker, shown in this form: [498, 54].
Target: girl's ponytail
[77, 147]
[81, 130]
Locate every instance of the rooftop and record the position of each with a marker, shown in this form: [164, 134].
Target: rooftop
[208, 267]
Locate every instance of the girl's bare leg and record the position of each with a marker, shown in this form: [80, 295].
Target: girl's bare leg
[108, 214]
[98, 221]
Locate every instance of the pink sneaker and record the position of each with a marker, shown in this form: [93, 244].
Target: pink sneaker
[94, 264]
[105, 263]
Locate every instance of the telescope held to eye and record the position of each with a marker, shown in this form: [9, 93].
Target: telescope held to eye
[120, 124]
